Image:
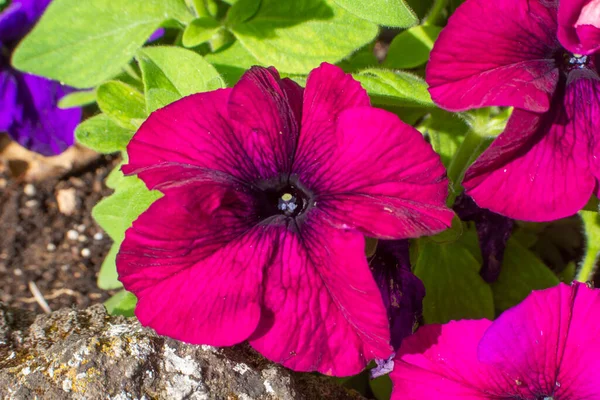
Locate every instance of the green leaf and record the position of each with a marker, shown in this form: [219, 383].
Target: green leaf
[381, 387]
[102, 134]
[77, 99]
[383, 12]
[297, 36]
[232, 62]
[445, 131]
[568, 274]
[170, 73]
[394, 88]
[108, 279]
[115, 214]
[123, 303]
[83, 43]
[455, 290]
[123, 103]
[411, 48]
[521, 273]
[362, 59]
[242, 10]
[199, 31]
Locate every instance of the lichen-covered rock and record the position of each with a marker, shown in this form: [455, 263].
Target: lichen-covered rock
[75, 354]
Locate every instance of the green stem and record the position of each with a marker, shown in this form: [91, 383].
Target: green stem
[588, 266]
[464, 156]
[439, 6]
[591, 228]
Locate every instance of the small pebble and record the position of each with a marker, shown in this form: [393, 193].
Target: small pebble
[82, 238]
[29, 190]
[65, 267]
[3, 183]
[17, 272]
[67, 200]
[51, 247]
[72, 234]
[81, 228]
[31, 203]
[99, 236]
[85, 253]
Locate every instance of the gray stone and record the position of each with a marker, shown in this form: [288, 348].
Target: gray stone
[87, 354]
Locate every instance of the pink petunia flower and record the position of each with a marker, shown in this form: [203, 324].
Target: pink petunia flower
[546, 348]
[544, 166]
[268, 191]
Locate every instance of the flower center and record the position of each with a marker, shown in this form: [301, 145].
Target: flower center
[574, 61]
[291, 201]
[282, 198]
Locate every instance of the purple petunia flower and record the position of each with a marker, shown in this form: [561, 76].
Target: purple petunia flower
[401, 290]
[493, 232]
[544, 165]
[547, 347]
[28, 103]
[268, 191]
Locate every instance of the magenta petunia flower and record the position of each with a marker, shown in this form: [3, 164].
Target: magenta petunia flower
[268, 191]
[507, 53]
[545, 348]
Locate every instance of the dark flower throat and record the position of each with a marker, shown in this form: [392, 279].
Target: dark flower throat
[287, 198]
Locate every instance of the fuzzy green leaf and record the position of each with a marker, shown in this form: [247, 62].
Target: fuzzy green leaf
[394, 88]
[115, 214]
[123, 303]
[445, 131]
[383, 12]
[199, 31]
[232, 62]
[297, 36]
[411, 48]
[77, 99]
[242, 10]
[83, 43]
[102, 134]
[521, 273]
[171, 73]
[455, 290]
[123, 103]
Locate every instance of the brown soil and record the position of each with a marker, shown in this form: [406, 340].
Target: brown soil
[40, 246]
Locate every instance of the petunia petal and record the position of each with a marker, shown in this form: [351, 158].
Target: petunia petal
[247, 133]
[579, 25]
[440, 362]
[323, 310]
[496, 53]
[261, 105]
[19, 17]
[548, 344]
[578, 376]
[192, 134]
[10, 109]
[380, 177]
[42, 126]
[540, 167]
[195, 263]
[329, 91]
[401, 290]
